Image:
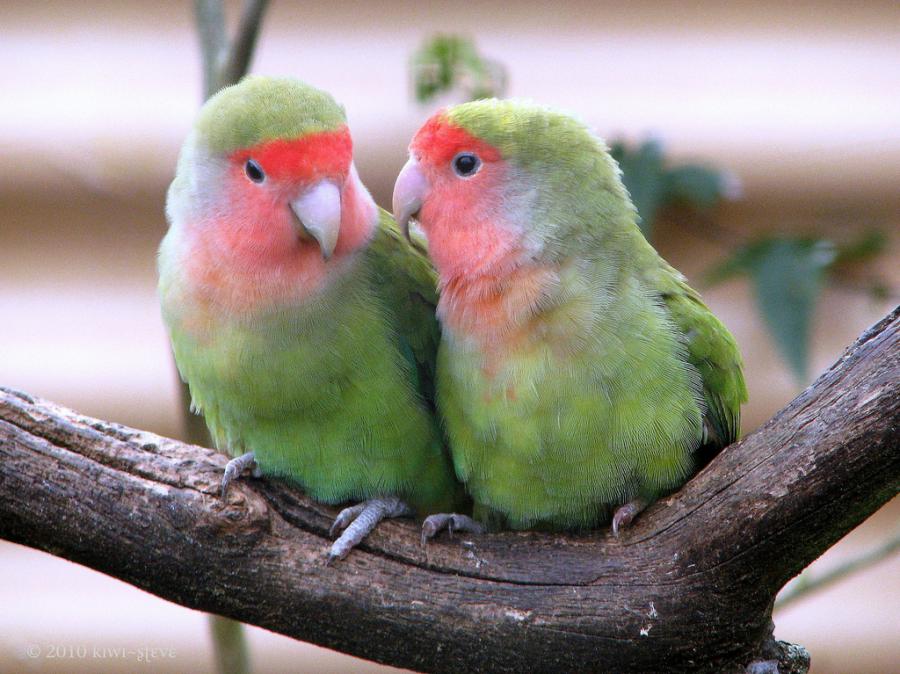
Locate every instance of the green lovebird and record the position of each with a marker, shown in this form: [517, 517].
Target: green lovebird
[579, 376]
[299, 315]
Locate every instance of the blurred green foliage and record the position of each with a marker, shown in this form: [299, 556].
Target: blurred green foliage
[447, 63]
[652, 184]
[787, 276]
[788, 273]
[863, 249]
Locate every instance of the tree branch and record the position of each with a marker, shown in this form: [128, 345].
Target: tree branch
[689, 588]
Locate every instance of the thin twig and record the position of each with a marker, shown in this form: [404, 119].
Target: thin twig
[210, 18]
[224, 62]
[240, 53]
[806, 585]
[232, 656]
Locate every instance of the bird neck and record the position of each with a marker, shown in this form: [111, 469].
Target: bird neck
[548, 307]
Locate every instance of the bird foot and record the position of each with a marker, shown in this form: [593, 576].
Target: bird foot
[357, 521]
[235, 467]
[626, 513]
[434, 524]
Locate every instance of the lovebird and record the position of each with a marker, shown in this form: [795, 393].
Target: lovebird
[301, 318]
[579, 376]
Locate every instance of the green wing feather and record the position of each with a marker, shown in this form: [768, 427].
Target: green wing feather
[713, 351]
[407, 282]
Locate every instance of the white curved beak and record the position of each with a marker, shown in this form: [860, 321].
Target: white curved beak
[410, 191]
[319, 212]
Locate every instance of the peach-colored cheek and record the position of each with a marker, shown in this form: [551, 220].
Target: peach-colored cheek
[248, 255]
[259, 225]
[459, 248]
[466, 233]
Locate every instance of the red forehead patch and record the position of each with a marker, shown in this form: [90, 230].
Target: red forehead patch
[440, 140]
[314, 156]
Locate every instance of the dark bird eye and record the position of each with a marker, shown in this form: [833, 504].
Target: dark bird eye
[466, 164]
[254, 171]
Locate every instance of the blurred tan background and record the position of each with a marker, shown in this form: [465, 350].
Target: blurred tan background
[800, 100]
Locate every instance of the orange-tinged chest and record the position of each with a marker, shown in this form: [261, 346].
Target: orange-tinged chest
[239, 275]
[503, 316]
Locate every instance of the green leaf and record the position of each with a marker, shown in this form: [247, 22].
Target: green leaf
[645, 179]
[879, 291]
[736, 265]
[866, 247]
[787, 275]
[652, 185]
[449, 62]
[698, 186]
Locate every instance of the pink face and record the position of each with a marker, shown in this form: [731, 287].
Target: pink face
[455, 183]
[266, 180]
[284, 213]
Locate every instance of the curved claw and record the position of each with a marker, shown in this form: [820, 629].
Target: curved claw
[762, 667]
[626, 513]
[434, 524]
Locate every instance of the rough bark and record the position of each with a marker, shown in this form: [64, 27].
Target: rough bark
[689, 588]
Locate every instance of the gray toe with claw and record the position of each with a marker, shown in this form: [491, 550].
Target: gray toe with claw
[235, 467]
[434, 524]
[357, 521]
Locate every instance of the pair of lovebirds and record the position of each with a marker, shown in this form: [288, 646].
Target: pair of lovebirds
[545, 364]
